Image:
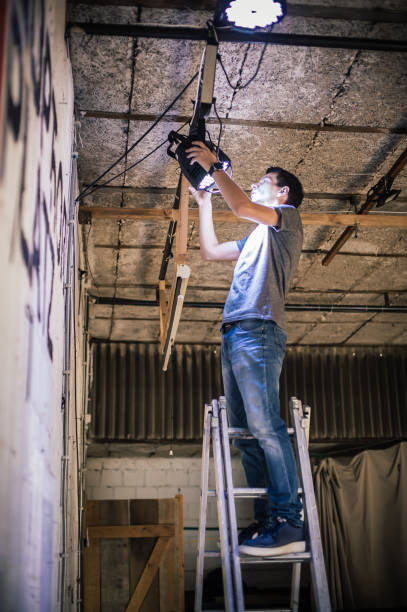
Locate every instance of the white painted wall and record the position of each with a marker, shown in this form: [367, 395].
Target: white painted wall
[152, 478]
[35, 145]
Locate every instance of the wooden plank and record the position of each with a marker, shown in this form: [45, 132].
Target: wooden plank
[148, 574]
[181, 242]
[131, 531]
[227, 216]
[167, 576]
[180, 552]
[114, 556]
[91, 562]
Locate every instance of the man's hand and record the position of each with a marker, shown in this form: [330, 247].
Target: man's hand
[200, 153]
[200, 196]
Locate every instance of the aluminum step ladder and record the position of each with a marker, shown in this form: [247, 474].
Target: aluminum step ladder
[217, 434]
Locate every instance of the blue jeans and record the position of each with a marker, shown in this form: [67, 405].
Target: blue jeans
[252, 356]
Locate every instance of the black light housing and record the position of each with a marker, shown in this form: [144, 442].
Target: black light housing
[194, 173]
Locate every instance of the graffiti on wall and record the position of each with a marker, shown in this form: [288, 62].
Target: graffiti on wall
[29, 143]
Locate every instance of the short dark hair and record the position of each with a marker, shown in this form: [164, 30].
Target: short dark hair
[285, 178]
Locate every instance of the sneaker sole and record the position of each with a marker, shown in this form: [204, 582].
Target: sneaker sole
[292, 547]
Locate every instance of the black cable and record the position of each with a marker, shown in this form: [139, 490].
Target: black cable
[85, 251]
[237, 87]
[96, 187]
[220, 126]
[85, 191]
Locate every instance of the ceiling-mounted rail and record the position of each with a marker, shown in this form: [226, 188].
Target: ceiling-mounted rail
[195, 33]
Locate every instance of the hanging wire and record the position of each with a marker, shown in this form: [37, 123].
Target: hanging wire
[152, 126]
[85, 251]
[99, 186]
[220, 126]
[237, 87]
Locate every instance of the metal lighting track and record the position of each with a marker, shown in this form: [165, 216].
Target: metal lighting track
[195, 33]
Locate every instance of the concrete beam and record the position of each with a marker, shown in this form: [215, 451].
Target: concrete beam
[197, 33]
[293, 10]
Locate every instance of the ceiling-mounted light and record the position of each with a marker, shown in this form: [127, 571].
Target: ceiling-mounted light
[194, 173]
[254, 13]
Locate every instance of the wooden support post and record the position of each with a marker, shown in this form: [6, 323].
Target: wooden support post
[91, 562]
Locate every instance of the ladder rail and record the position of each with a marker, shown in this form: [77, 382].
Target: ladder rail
[203, 508]
[318, 571]
[230, 496]
[223, 517]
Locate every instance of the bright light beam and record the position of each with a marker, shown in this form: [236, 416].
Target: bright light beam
[254, 13]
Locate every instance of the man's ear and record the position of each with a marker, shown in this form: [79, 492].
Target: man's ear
[284, 190]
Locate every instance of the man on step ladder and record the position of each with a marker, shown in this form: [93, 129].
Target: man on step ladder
[253, 342]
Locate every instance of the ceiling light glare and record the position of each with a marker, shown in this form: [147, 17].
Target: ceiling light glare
[254, 13]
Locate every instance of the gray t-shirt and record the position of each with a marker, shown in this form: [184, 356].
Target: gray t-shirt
[264, 270]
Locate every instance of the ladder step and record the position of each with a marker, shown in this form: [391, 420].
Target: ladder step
[246, 492]
[244, 434]
[254, 610]
[291, 558]
[247, 559]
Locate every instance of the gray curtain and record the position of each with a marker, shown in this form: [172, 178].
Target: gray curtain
[363, 513]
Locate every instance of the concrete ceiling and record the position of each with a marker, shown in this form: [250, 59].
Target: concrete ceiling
[335, 117]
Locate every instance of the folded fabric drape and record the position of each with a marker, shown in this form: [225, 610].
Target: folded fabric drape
[362, 504]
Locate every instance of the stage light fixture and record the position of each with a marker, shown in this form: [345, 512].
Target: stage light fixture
[194, 173]
[253, 14]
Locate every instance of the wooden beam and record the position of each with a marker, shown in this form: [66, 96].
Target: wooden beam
[227, 216]
[148, 574]
[372, 220]
[130, 531]
[283, 125]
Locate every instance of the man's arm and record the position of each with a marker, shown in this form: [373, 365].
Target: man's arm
[235, 198]
[211, 248]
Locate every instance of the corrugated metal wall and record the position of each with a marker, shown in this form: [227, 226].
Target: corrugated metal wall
[354, 393]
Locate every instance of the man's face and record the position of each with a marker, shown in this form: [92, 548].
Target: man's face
[266, 190]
